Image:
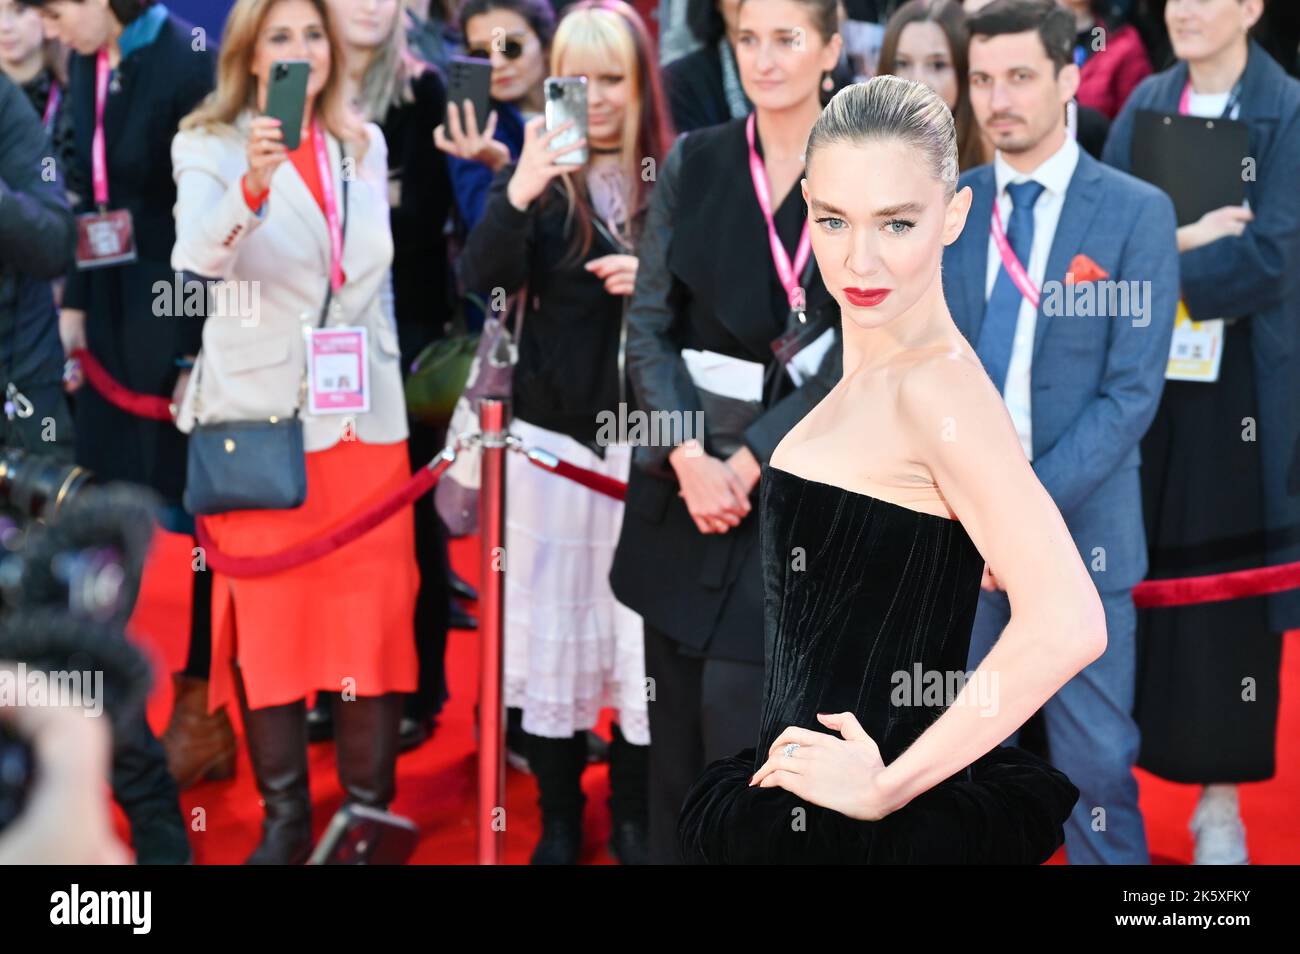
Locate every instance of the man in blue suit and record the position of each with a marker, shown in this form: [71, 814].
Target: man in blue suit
[1065, 281]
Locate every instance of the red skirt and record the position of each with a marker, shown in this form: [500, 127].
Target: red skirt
[343, 622]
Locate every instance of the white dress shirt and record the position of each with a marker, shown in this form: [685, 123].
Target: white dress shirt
[1054, 174]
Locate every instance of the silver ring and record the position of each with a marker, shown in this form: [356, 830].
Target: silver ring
[789, 749]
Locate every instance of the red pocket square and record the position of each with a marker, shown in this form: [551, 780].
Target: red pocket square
[1084, 269]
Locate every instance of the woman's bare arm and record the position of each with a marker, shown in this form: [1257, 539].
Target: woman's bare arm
[962, 432]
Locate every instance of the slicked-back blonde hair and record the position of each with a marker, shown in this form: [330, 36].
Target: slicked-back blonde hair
[890, 107]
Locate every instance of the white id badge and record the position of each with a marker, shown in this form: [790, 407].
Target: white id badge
[1196, 349]
[338, 371]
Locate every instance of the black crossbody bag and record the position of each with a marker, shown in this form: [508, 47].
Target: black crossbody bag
[251, 465]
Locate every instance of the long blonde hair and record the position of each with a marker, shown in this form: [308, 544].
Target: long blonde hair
[392, 69]
[614, 30]
[236, 89]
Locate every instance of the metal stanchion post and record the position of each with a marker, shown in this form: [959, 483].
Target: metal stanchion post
[494, 420]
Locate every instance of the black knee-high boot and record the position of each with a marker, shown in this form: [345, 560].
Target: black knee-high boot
[557, 765]
[277, 747]
[365, 742]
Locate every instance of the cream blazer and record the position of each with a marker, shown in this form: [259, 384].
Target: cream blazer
[254, 354]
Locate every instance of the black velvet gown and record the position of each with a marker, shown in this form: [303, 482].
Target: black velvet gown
[858, 590]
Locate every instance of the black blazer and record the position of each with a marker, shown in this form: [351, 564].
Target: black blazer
[568, 353]
[157, 86]
[706, 281]
[420, 195]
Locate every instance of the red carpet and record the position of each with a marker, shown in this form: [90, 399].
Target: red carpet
[436, 783]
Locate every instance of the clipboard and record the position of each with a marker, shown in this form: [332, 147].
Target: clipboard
[1197, 161]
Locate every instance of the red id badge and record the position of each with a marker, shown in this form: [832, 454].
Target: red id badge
[105, 238]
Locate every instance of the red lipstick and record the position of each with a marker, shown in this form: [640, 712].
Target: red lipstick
[866, 297]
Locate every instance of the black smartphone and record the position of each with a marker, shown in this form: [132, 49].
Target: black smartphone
[566, 99]
[358, 835]
[470, 79]
[286, 98]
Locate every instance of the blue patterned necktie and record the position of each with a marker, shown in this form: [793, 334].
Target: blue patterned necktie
[999, 328]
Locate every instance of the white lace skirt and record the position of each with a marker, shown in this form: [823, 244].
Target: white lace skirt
[571, 648]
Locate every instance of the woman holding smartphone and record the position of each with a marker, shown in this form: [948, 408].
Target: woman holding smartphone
[726, 271]
[515, 35]
[567, 232]
[321, 259]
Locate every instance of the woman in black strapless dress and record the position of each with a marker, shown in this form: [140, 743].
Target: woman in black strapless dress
[868, 751]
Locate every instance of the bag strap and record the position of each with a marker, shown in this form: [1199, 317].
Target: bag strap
[329, 286]
[618, 242]
[324, 312]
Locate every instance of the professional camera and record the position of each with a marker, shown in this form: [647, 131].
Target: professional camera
[71, 559]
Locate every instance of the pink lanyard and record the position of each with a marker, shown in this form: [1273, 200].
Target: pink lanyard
[331, 206]
[787, 273]
[1185, 100]
[1009, 260]
[98, 153]
[52, 104]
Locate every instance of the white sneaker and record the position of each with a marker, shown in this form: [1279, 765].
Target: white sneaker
[1217, 826]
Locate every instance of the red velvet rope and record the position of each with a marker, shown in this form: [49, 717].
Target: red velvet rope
[600, 483]
[1149, 594]
[296, 556]
[132, 402]
[1237, 584]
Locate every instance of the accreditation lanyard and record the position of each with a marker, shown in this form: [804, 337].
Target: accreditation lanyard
[98, 150]
[52, 105]
[1010, 261]
[331, 206]
[787, 272]
[1185, 100]
[104, 237]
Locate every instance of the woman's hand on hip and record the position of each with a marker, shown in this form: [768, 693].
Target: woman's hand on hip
[840, 774]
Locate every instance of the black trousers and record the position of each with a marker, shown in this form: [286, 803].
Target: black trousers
[703, 710]
[433, 601]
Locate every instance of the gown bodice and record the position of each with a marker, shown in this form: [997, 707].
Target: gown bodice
[868, 608]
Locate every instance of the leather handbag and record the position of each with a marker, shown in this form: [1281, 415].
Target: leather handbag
[246, 465]
[491, 372]
[251, 465]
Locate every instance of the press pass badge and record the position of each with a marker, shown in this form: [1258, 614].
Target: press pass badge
[338, 372]
[105, 238]
[1196, 350]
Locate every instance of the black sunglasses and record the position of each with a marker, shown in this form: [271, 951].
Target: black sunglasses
[511, 49]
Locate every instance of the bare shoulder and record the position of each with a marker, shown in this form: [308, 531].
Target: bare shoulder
[947, 385]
